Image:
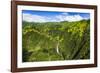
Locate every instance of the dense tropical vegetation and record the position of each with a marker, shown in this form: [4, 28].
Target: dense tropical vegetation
[50, 41]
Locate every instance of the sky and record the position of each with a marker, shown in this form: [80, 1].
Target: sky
[52, 16]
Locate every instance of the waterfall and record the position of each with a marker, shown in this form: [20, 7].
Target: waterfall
[57, 48]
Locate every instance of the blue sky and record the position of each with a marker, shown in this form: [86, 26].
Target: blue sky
[50, 16]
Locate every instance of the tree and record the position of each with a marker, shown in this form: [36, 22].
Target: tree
[56, 40]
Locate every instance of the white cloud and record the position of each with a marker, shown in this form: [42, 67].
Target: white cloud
[33, 18]
[57, 18]
[73, 18]
[70, 18]
[65, 13]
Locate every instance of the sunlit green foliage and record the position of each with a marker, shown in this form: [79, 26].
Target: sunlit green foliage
[52, 41]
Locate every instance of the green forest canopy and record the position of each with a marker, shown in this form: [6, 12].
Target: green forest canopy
[51, 41]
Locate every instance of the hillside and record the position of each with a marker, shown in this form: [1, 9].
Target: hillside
[51, 41]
